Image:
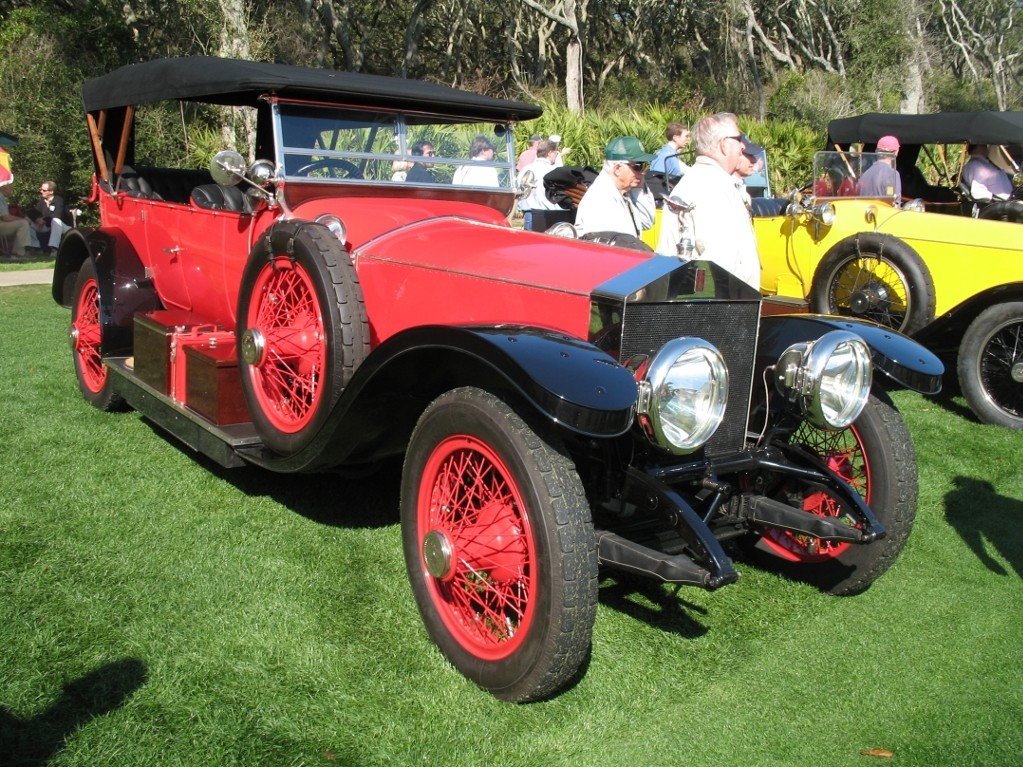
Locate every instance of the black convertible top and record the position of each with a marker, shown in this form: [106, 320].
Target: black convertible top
[235, 82]
[939, 128]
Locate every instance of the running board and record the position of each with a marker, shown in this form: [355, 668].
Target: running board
[622, 554]
[771, 513]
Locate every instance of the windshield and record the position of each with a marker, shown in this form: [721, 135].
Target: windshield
[333, 144]
[840, 174]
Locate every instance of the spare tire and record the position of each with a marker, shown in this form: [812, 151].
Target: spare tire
[302, 332]
[875, 277]
[1003, 210]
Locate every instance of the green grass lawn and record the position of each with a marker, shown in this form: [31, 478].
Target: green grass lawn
[158, 610]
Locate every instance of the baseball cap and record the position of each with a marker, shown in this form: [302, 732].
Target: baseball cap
[748, 147]
[627, 148]
[887, 144]
[534, 138]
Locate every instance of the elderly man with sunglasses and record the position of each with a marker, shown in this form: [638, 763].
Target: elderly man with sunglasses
[618, 200]
[719, 222]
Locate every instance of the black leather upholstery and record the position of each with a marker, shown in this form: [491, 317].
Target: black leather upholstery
[216, 197]
[768, 206]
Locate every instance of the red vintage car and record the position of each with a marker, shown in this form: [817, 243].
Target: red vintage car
[356, 292]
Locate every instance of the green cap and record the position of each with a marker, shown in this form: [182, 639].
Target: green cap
[627, 148]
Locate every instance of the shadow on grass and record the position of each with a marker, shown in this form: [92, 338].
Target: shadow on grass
[950, 399]
[654, 603]
[338, 500]
[34, 742]
[987, 521]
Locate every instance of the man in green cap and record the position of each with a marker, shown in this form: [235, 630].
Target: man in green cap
[618, 200]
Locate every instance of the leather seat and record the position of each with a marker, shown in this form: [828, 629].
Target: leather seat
[216, 197]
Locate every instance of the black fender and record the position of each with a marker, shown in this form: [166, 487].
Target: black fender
[944, 334]
[124, 288]
[564, 379]
[898, 357]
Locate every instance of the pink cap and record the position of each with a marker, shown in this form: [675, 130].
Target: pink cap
[888, 144]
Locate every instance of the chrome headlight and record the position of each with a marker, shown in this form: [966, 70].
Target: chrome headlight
[824, 212]
[683, 390]
[335, 225]
[828, 378]
[562, 229]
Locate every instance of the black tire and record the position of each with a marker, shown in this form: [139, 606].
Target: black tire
[1003, 210]
[877, 457]
[990, 365]
[875, 277]
[94, 381]
[503, 566]
[618, 240]
[302, 332]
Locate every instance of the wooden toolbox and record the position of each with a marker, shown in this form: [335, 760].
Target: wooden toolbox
[161, 338]
[213, 388]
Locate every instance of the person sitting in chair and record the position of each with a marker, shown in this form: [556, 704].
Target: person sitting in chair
[984, 179]
[49, 218]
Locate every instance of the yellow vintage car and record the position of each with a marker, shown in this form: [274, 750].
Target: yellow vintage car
[953, 283]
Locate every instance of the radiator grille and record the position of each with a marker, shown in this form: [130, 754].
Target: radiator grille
[730, 326]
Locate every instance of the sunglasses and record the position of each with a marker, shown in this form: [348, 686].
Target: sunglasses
[639, 167]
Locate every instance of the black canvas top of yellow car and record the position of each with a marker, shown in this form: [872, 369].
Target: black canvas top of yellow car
[939, 128]
[241, 83]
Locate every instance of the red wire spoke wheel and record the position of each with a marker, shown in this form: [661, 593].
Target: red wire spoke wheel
[302, 332]
[499, 545]
[85, 337]
[843, 453]
[478, 547]
[875, 456]
[288, 367]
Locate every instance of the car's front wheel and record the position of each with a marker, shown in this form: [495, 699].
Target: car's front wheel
[876, 277]
[499, 546]
[990, 365]
[302, 332]
[876, 457]
[85, 337]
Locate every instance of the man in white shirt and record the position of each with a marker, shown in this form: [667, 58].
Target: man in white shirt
[537, 199]
[618, 199]
[719, 222]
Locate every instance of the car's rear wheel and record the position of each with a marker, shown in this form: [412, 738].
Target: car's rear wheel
[876, 277]
[990, 365]
[302, 332]
[876, 457]
[499, 546]
[85, 337]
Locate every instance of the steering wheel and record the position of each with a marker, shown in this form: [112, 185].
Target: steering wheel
[338, 168]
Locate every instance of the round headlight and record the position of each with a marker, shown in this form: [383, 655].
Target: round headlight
[683, 393]
[829, 378]
[562, 229]
[335, 225]
[825, 213]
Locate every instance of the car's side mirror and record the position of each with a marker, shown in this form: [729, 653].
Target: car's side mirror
[227, 167]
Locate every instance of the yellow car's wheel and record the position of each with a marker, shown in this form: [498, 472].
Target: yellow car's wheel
[875, 277]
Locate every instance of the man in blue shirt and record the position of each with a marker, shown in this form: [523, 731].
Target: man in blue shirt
[881, 179]
[667, 160]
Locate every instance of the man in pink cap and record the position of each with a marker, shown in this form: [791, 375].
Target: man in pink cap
[881, 179]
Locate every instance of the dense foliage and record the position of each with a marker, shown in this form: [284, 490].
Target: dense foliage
[601, 64]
